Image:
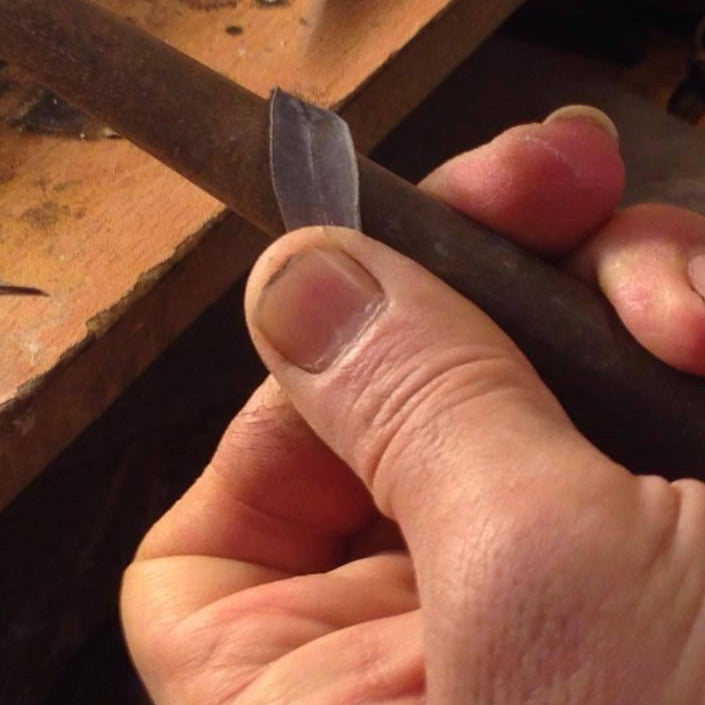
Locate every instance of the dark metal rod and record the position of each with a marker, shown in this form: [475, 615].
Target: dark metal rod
[184, 114]
[215, 133]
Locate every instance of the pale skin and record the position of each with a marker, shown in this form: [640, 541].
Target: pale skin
[402, 513]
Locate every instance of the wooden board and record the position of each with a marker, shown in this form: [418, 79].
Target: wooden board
[129, 252]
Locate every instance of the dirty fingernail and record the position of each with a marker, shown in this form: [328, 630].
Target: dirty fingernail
[586, 112]
[696, 272]
[316, 306]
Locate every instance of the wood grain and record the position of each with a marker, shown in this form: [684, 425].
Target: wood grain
[101, 226]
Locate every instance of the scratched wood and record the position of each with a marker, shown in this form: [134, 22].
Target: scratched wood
[129, 252]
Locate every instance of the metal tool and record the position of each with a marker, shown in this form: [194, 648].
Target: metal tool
[314, 167]
[215, 133]
[16, 290]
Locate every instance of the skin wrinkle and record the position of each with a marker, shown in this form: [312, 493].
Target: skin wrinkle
[542, 672]
[658, 551]
[266, 425]
[413, 385]
[349, 687]
[427, 405]
[662, 501]
[375, 663]
[276, 527]
[691, 503]
[646, 610]
[691, 645]
[503, 161]
[571, 165]
[217, 613]
[542, 627]
[275, 436]
[252, 672]
[180, 660]
[284, 523]
[257, 427]
[460, 590]
[485, 199]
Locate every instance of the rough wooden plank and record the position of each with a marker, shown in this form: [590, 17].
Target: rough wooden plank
[71, 534]
[99, 225]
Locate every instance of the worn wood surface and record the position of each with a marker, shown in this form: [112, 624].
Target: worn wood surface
[65, 541]
[103, 228]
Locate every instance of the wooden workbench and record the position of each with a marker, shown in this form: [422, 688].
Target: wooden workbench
[128, 251]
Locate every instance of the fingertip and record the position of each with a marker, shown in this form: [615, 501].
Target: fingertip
[545, 185]
[588, 113]
[649, 262]
[310, 299]
[271, 261]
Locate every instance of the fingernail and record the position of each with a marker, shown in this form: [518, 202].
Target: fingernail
[586, 112]
[316, 306]
[696, 272]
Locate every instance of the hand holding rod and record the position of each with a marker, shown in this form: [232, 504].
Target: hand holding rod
[215, 133]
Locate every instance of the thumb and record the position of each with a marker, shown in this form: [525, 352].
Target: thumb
[407, 381]
[542, 567]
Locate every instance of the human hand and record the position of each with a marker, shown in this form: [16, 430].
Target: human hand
[532, 569]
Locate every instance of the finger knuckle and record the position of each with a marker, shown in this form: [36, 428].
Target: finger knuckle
[428, 397]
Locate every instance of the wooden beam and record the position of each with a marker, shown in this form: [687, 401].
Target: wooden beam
[129, 252]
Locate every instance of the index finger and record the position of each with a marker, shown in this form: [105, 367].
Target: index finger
[274, 494]
[545, 185]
